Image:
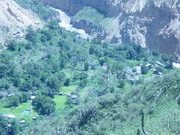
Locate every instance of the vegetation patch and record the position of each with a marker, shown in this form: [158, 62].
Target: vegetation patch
[91, 15]
[79, 86]
[18, 111]
[68, 89]
[60, 102]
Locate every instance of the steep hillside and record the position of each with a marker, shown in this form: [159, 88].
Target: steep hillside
[140, 110]
[153, 24]
[85, 87]
[58, 80]
[15, 19]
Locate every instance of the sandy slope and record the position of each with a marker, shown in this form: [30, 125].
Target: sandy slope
[15, 19]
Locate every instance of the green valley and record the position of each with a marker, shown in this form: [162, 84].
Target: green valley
[53, 82]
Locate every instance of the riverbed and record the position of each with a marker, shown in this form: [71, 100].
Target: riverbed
[65, 22]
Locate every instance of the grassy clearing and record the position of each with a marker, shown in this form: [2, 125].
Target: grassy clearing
[18, 111]
[60, 102]
[68, 89]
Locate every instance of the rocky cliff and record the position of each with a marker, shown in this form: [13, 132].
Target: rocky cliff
[14, 20]
[151, 23]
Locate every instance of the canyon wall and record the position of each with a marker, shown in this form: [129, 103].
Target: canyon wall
[151, 23]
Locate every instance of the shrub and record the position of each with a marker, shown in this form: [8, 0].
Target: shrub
[12, 101]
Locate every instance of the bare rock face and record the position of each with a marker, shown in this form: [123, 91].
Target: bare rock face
[14, 20]
[150, 23]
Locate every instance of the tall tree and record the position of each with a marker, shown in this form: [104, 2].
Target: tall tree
[44, 105]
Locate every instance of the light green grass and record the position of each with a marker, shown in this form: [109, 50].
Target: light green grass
[18, 111]
[147, 75]
[69, 89]
[60, 102]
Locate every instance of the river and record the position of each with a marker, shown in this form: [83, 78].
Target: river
[65, 22]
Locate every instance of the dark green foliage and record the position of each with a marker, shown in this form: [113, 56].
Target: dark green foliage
[26, 86]
[12, 101]
[83, 83]
[37, 7]
[8, 127]
[155, 53]
[31, 35]
[138, 132]
[178, 100]
[121, 84]
[4, 85]
[23, 97]
[12, 45]
[1, 46]
[50, 93]
[83, 76]
[107, 101]
[101, 61]
[169, 65]
[160, 69]
[142, 123]
[53, 25]
[131, 54]
[3, 70]
[45, 93]
[86, 66]
[43, 38]
[44, 105]
[91, 50]
[144, 69]
[47, 34]
[3, 126]
[67, 82]
[54, 83]
[16, 82]
[14, 128]
[86, 113]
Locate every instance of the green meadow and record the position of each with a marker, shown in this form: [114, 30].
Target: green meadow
[60, 101]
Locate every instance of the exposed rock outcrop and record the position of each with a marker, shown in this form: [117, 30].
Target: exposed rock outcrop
[15, 19]
[151, 23]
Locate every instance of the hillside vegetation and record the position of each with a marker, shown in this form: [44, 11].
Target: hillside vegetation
[55, 83]
[120, 113]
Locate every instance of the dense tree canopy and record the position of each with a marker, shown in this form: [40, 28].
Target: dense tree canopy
[8, 127]
[44, 105]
